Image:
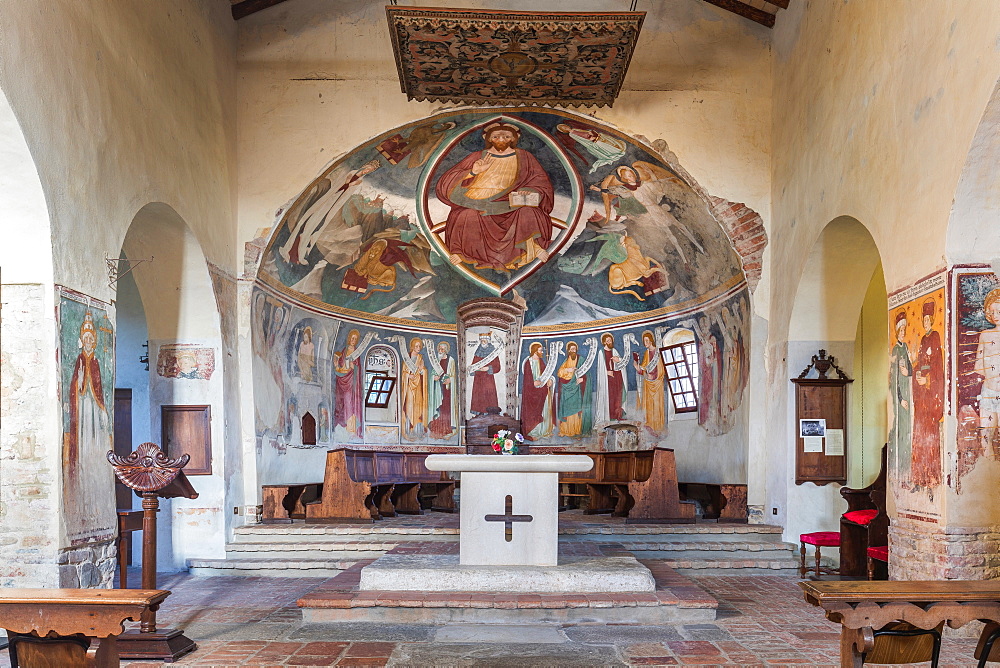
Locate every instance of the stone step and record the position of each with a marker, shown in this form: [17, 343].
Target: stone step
[352, 548]
[270, 567]
[709, 546]
[386, 529]
[737, 563]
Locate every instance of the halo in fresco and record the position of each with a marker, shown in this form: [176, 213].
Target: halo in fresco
[575, 218]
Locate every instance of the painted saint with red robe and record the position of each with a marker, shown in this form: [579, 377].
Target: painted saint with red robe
[537, 409]
[484, 378]
[609, 402]
[347, 410]
[928, 404]
[501, 199]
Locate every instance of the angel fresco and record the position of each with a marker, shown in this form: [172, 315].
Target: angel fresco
[375, 268]
[635, 193]
[629, 268]
[303, 233]
[417, 146]
[604, 148]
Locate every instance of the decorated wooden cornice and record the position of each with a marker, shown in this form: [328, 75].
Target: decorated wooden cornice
[473, 56]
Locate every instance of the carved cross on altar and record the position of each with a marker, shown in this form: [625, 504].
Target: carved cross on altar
[508, 518]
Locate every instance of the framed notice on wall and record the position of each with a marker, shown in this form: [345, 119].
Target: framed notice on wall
[821, 423]
[187, 430]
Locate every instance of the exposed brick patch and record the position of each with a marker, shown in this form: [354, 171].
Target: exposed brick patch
[746, 232]
[921, 551]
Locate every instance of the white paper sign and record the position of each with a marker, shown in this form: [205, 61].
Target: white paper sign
[812, 444]
[835, 442]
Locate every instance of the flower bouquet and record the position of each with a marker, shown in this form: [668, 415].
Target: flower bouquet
[505, 443]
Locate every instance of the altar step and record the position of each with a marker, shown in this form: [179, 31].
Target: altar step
[676, 600]
[301, 550]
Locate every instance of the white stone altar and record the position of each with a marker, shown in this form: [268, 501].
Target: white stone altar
[509, 511]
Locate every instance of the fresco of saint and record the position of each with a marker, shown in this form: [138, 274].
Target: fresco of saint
[484, 380]
[708, 377]
[501, 199]
[307, 355]
[413, 383]
[574, 405]
[988, 366]
[928, 403]
[89, 431]
[537, 418]
[651, 374]
[444, 379]
[901, 391]
[347, 409]
[609, 403]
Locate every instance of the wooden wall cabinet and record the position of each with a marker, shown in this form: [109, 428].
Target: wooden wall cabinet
[187, 430]
[821, 398]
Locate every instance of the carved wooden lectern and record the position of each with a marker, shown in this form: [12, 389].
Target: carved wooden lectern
[152, 475]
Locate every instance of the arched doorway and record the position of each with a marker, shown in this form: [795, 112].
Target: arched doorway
[841, 307]
[170, 299]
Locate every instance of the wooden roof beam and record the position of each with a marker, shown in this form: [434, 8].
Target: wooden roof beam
[746, 11]
[241, 8]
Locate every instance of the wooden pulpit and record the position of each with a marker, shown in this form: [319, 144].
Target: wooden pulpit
[152, 475]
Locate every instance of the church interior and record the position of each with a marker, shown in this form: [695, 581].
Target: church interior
[292, 259]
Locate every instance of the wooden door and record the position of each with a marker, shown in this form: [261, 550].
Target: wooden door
[123, 441]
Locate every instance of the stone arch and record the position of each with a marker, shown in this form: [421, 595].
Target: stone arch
[183, 325]
[841, 306]
[973, 235]
[31, 429]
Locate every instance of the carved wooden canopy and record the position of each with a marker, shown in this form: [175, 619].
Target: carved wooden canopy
[474, 56]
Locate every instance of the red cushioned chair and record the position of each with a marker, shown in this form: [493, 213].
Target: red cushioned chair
[819, 539]
[880, 554]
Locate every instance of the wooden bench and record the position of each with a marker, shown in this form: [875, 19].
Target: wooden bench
[720, 501]
[71, 628]
[862, 608]
[639, 485]
[362, 486]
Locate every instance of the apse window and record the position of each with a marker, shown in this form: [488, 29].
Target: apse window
[379, 390]
[681, 362]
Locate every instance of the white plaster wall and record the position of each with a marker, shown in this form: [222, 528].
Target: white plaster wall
[123, 103]
[27, 257]
[973, 232]
[875, 108]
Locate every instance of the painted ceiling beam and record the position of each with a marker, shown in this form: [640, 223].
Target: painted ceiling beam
[241, 8]
[746, 11]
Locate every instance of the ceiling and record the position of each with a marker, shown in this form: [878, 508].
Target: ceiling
[758, 11]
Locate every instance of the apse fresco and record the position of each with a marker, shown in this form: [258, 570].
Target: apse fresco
[917, 395]
[598, 238]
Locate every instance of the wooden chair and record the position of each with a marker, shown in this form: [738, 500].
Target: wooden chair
[900, 642]
[876, 557]
[988, 649]
[860, 530]
[819, 539]
[31, 651]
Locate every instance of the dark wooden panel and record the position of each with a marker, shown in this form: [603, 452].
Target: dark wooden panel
[388, 467]
[123, 442]
[618, 466]
[188, 430]
[363, 465]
